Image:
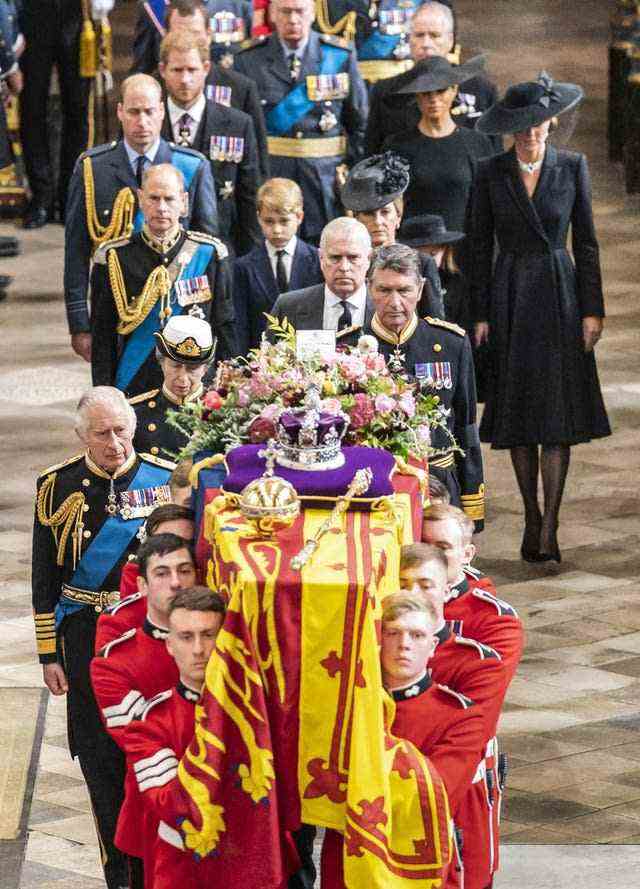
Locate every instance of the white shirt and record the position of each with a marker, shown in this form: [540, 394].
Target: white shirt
[291, 51]
[133, 155]
[195, 113]
[333, 307]
[289, 250]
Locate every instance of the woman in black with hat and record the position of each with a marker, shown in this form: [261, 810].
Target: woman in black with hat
[541, 314]
[441, 155]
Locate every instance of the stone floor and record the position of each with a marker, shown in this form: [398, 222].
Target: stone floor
[572, 717]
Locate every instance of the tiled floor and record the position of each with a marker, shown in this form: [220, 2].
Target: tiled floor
[572, 718]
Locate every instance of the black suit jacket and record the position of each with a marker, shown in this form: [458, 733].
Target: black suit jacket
[236, 183]
[255, 289]
[305, 310]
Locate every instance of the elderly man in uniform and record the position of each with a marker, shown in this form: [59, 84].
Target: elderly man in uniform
[438, 354]
[432, 34]
[103, 193]
[182, 373]
[89, 511]
[140, 281]
[224, 135]
[373, 192]
[315, 106]
[342, 303]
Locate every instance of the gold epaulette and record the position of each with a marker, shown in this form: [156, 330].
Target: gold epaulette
[157, 461]
[345, 26]
[203, 238]
[122, 210]
[100, 256]
[58, 466]
[252, 42]
[67, 516]
[448, 325]
[145, 395]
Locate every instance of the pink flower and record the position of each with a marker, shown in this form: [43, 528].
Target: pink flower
[270, 412]
[261, 430]
[407, 403]
[353, 368]
[331, 405]
[212, 400]
[423, 434]
[363, 410]
[244, 397]
[375, 362]
[384, 404]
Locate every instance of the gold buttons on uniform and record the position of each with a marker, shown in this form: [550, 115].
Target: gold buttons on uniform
[85, 482]
[86, 534]
[152, 427]
[437, 347]
[86, 507]
[152, 404]
[155, 451]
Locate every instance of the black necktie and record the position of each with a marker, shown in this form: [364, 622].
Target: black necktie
[345, 319]
[294, 66]
[281, 272]
[141, 162]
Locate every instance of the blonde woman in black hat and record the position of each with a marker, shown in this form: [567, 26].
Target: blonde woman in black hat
[541, 314]
[441, 155]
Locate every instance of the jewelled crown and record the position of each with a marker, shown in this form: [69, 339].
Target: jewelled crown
[310, 438]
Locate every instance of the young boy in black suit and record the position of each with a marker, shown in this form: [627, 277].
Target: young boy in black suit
[282, 262]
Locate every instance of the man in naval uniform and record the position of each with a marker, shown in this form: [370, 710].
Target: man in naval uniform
[102, 204]
[181, 383]
[315, 107]
[438, 354]
[432, 33]
[88, 513]
[224, 135]
[139, 282]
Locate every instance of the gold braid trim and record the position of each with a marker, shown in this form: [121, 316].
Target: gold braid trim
[132, 314]
[346, 26]
[121, 224]
[69, 512]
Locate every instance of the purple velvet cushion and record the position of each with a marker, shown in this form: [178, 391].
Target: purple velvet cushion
[244, 466]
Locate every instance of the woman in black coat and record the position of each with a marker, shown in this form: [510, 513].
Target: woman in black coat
[541, 314]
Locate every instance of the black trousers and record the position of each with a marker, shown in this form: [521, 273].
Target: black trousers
[52, 32]
[101, 760]
[304, 878]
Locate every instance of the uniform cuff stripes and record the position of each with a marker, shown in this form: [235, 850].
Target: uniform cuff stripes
[156, 770]
[45, 633]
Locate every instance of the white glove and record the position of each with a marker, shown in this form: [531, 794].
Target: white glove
[100, 9]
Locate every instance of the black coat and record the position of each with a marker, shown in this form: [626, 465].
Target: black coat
[545, 387]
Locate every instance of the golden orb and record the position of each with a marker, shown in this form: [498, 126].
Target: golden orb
[270, 502]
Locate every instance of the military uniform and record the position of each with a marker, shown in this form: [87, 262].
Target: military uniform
[78, 551]
[103, 206]
[190, 277]
[438, 354]
[127, 614]
[153, 432]
[315, 110]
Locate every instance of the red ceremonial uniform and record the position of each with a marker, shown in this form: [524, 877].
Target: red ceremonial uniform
[475, 612]
[475, 578]
[445, 726]
[129, 578]
[125, 675]
[116, 620]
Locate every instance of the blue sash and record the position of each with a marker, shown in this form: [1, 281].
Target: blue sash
[378, 46]
[297, 103]
[157, 10]
[110, 542]
[188, 165]
[141, 342]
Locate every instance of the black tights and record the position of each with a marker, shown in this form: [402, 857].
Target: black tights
[553, 463]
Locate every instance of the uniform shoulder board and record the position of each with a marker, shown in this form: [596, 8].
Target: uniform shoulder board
[153, 702]
[106, 650]
[157, 461]
[448, 325]
[100, 149]
[502, 607]
[203, 238]
[485, 651]
[474, 572]
[463, 700]
[128, 600]
[185, 150]
[336, 41]
[144, 397]
[58, 466]
[100, 256]
[252, 42]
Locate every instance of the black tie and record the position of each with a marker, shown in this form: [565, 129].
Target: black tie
[345, 319]
[294, 66]
[141, 162]
[281, 272]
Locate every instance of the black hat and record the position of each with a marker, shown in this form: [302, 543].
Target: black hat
[437, 73]
[186, 339]
[375, 182]
[418, 231]
[528, 105]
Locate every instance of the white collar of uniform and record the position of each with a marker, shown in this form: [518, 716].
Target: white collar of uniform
[195, 112]
[133, 155]
[356, 300]
[289, 248]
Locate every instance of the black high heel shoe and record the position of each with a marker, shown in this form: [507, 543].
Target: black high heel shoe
[531, 553]
[553, 554]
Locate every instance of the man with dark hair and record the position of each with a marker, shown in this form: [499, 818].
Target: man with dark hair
[130, 670]
[438, 354]
[158, 738]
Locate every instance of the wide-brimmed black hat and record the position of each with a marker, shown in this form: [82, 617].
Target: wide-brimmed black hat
[420, 231]
[374, 182]
[529, 104]
[437, 73]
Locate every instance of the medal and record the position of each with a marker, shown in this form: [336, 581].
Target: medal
[226, 191]
[219, 94]
[402, 50]
[328, 120]
[111, 507]
[140, 503]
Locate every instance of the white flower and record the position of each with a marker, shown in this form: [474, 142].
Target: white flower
[367, 344]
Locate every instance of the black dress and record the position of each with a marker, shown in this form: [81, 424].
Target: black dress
[545, 387]
[441, 172]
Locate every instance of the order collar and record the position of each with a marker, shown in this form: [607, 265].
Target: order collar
[413, 690]
[160, 245]
[97, 470]
[389, 336]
